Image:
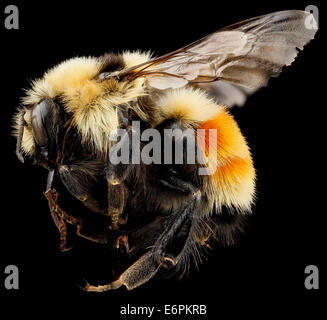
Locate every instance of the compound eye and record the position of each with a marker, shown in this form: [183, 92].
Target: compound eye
[40, 118]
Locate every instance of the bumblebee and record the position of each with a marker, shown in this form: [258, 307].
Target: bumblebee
[158, 215]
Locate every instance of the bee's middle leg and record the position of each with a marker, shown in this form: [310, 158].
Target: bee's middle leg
[117, 171]
[120, 161]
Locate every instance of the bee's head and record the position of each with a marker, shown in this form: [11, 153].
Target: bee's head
[73, 93]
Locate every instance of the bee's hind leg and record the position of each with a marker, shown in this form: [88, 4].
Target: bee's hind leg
[138, 273]
[167, 251]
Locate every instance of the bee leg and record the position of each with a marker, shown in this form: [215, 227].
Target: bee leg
[119, 168]
[117, 194]
[177, 184]
[58, 221]
[167, 251]
[138, 273]
[72, 178]
[60, 217]
[175, 240]
[53, 206]
[122, 240]
[116, 173]
[94, 232]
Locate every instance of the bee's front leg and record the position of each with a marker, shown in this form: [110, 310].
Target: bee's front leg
[58, 219]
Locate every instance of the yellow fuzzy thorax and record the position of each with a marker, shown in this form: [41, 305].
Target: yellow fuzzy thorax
[90, 101]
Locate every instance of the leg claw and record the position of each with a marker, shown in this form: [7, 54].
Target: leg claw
[102, 288]
[122, 241]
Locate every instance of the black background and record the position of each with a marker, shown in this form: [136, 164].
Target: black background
[284, 125]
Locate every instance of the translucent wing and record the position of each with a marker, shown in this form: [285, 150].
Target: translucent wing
[234, 61]
[227, 93]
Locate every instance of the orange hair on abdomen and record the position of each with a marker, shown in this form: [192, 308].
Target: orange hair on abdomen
[233, 182]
